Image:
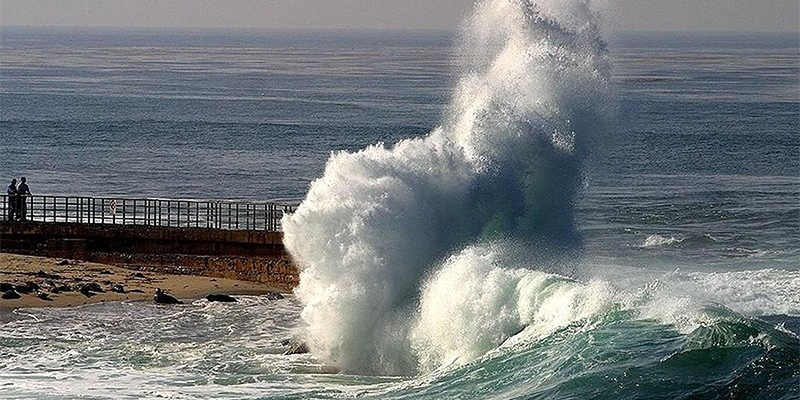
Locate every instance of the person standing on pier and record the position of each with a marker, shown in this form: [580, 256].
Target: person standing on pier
[11, 200]
[22, 194]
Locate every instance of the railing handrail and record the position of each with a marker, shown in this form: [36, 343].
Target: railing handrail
[108, 197]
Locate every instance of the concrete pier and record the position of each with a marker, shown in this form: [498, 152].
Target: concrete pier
[252, 255]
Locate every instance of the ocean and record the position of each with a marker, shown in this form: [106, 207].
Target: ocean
[519, 210]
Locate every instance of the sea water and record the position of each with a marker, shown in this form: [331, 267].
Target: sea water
[543, 209]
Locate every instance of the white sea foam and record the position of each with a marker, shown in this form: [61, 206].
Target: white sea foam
[758, 292]
[391, 241]
[682, 299]
[658, 241]
[476, 301]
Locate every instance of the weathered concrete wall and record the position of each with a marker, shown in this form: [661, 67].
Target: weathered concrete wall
[247, 255]
[149, 239]
[275, 271]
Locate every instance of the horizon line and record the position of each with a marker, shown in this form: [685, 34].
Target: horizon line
[356, 29]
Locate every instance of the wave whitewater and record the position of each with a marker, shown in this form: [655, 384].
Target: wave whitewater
[504, 168]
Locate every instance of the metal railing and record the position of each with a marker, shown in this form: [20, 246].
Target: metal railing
[216, 214]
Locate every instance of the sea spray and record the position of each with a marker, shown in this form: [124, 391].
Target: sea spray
[478, 300]
[382, 232]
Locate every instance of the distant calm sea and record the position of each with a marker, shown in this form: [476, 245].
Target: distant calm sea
[698, 184]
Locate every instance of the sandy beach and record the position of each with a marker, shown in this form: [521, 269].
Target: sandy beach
[62, 279]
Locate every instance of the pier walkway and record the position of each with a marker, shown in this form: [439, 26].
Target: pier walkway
[211, 214]
[217, 238]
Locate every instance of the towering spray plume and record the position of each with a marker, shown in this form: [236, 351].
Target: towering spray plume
[381, 234]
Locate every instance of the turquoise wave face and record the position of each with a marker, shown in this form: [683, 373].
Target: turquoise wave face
[617, 356]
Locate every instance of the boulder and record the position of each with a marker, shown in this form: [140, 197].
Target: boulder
[26, 288]
[222, 298]
[50, 285]
[118, 288]
[274, 296]
[63, 288]
[43, 296]
[47, 275]
[10, 295]
[89, 289]
[161, 297]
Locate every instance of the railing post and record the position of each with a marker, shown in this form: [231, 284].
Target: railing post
[272, 208]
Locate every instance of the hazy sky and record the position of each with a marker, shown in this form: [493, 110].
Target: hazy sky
[698, 15]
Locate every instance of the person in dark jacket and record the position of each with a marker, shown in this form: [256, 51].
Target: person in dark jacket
[11, 200]
[22, 194]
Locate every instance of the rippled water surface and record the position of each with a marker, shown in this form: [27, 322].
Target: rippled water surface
[688, 212]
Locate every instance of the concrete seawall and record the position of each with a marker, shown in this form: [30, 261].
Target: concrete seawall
[257, 256]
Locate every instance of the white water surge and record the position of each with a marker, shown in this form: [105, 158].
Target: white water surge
[426, 253]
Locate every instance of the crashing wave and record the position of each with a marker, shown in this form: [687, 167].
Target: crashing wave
[382, 238]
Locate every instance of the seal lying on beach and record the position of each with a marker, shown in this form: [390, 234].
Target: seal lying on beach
[162, 297]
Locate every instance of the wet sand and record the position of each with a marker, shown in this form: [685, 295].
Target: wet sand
[50, 273]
